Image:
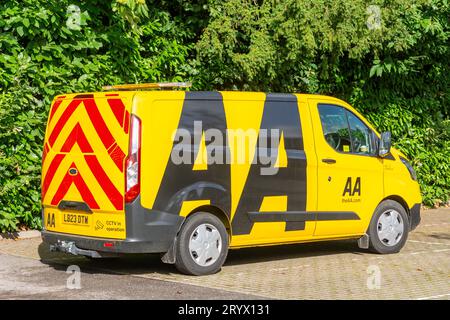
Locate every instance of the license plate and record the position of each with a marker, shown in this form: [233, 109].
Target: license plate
[96, 224]
[76, 219]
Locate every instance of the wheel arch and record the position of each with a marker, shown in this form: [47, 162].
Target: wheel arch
[376, 244]
[216, 211]
[399, 200]
[170, 255]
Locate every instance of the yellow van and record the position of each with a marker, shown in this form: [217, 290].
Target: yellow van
[191, 174]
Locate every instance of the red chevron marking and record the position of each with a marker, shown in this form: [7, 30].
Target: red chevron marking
[108, 187]
[118, 109]
[77, 136]
[51, 173]
[81, 187]
[62, 120]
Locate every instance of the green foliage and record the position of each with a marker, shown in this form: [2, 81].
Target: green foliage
[21, 136]
[397, 74]
[424, 137]
[49, 47]
[132, 11]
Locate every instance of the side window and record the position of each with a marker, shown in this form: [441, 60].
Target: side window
[345, 132]
[335, 127]
[361, 136]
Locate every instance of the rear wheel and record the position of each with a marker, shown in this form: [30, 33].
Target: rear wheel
[202, 245]
[389, 228]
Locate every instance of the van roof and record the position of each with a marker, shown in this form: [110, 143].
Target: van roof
[84, 95]
[246, 95]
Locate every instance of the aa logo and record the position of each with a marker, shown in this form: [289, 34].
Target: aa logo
[352, 189]
[51, 220]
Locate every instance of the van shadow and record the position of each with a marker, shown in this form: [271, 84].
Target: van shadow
[292, 251]
[140, 264]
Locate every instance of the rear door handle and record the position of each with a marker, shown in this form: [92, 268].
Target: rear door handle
[74, 205]
[327, 160]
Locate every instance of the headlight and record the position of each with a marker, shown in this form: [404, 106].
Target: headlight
[410, 168]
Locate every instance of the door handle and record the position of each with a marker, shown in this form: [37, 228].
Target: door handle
[327, 160]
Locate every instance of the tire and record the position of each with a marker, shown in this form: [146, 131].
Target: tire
[205, 232]
[389, 228]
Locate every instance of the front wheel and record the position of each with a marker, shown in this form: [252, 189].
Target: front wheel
[388, 228]
[202, 245]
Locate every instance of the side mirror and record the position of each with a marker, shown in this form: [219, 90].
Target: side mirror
[384, 148]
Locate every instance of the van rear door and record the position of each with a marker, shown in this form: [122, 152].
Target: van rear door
[85, 148]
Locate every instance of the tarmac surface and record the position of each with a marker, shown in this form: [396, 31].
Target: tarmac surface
[325, 270]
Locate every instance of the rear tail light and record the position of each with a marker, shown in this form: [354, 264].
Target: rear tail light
[132, 165]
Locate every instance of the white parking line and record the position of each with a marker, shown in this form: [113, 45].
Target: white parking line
[434, 297]
[441, 250]
[300, 267]
[418, 252]
[425, 242]
[293, 268]
[279, 269]
[436, 224]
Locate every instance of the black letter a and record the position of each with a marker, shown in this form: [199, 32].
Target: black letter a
[357, 187]
[348, 187]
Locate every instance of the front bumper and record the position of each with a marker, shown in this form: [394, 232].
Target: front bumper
[148, 231]
[414, 216]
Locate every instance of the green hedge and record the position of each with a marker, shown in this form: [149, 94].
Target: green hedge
[41, 57]
[397, 74]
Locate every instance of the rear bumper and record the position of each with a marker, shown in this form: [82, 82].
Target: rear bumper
[414, 216]
[148, 231]
[80, 244]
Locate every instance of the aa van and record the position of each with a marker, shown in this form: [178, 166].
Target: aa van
[192, 174]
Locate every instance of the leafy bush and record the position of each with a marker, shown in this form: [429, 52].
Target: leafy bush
[395, 72]
[44, 53]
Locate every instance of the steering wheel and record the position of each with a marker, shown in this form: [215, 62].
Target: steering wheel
[333, 140]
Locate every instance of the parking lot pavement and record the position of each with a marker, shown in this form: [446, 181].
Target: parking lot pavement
[327, 270]
[24, 278]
